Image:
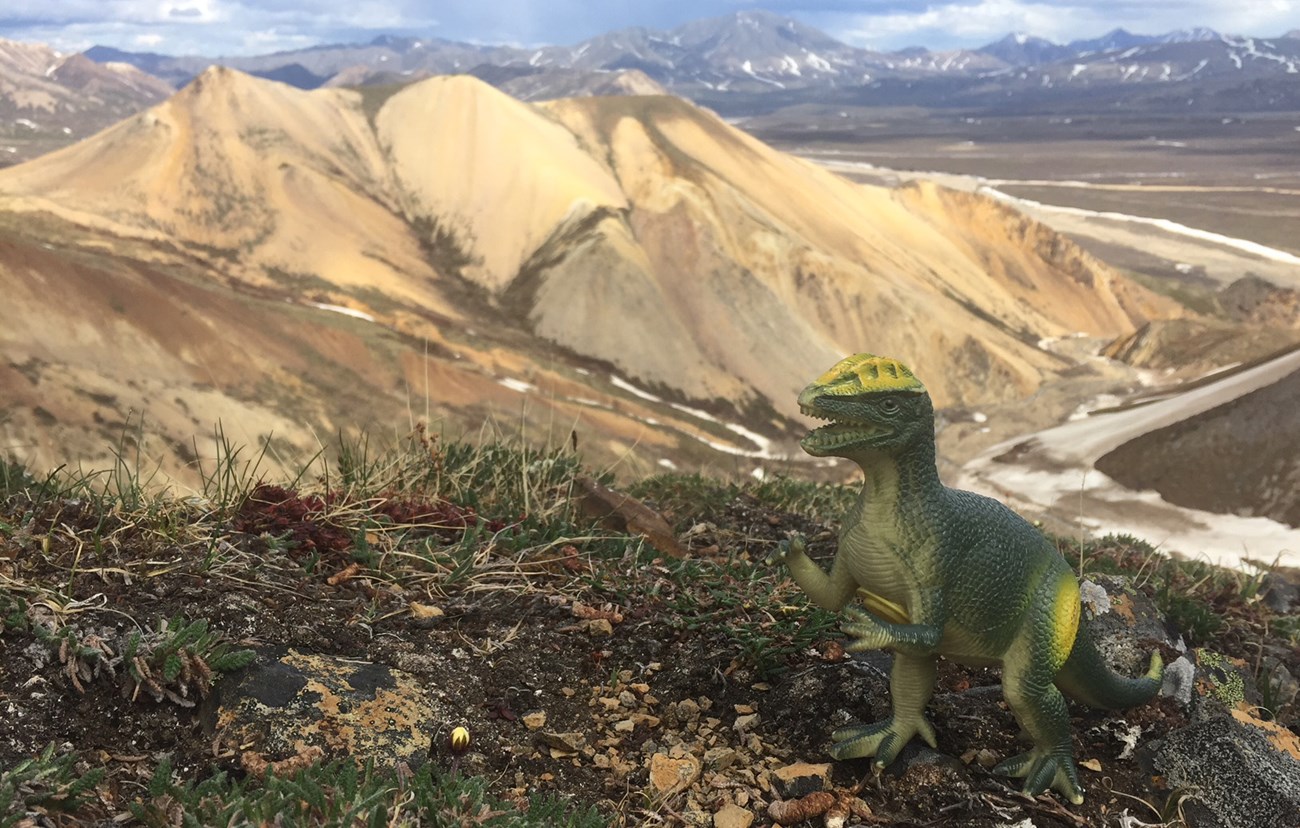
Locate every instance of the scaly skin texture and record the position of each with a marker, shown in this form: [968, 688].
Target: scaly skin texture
[945, 572]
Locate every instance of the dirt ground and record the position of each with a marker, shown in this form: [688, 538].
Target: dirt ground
[713, 656]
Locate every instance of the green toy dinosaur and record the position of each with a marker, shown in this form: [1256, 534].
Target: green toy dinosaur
[947, 572]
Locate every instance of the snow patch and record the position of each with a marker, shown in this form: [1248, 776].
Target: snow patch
[352, 312]
[517, 385]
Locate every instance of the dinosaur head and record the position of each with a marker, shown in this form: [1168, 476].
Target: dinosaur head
[874, 404]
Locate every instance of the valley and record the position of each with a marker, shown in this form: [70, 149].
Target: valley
[1186, 206]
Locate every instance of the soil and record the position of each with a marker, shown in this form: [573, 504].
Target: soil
[656, 679]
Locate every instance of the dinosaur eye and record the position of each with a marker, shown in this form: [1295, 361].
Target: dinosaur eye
[889, 405]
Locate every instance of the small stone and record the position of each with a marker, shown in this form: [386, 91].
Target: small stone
[1091, 764]
[625, 726]
[568, 692]
[744, 709]
[609, 703]
[570, 743]
[745, 723]
[802, 778]
[669, 776]
[983, 757]
[535, 720]
[733, 816]
[598, 627]
[721, 758]
[688, 710]
[424, 612]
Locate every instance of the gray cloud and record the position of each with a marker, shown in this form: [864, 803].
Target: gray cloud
[252, 26]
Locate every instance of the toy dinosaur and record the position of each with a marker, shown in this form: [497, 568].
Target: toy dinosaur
[946, 572]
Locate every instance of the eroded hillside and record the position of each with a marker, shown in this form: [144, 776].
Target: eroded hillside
[632, 269]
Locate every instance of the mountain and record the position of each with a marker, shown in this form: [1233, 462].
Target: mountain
[630, 267]
[1116, 40]
[48, 99]
[1020, 49]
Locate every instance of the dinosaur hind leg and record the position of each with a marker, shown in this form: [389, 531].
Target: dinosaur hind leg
[1039, 706]
[911, 682]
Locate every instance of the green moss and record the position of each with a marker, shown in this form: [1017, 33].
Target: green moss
[1226, 683]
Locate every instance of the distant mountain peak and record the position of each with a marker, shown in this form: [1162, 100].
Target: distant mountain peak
[1023, 49]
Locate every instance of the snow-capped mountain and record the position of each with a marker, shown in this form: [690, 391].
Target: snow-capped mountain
[733, 62]
[1020, 49]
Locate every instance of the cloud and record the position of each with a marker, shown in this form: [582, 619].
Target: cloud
[247, 26]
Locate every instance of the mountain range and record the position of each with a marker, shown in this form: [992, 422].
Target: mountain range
[741, 64]
[630, 268]
[731, 61]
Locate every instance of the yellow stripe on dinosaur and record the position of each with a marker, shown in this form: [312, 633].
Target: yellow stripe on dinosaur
[883, 607]
[1065, 616]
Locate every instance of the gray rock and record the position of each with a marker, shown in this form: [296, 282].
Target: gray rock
[1124, 623]
[1279, 592]
[1238, 769]
[1180, 675]
[288, 702]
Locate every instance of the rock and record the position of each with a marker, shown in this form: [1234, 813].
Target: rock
[287, 702]
[669, 776]
[801, 778]
[535, 720]
[1245, 772]
[1220, 684]
[1124, 623]
[568, 743]
[745, 723]
[733, 816]
[1280, 691]
[1180, 676]
[721, 758]
[1280, 593]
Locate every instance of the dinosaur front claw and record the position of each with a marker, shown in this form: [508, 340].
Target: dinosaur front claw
[1043, 769]
[884, 739]
[794, 546]
[866, 631]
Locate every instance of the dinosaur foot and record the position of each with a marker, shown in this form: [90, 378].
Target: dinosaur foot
[884, 739]
[1043, 769]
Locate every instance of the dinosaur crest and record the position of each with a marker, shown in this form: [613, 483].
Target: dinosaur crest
[868, 373]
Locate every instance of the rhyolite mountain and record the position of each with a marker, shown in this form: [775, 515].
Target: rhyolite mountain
[294, 264]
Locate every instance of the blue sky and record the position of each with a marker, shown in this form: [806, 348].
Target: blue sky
[230, 27]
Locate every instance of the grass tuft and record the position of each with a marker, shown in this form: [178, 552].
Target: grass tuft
[345, 794]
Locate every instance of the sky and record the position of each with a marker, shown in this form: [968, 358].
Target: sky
[240, 27]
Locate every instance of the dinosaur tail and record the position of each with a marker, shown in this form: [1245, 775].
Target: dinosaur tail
[1085, 677]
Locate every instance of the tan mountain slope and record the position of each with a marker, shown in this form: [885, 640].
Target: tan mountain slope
[773, 264]
[643, 236]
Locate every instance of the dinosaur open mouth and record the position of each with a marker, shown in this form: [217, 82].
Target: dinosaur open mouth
[840, 431]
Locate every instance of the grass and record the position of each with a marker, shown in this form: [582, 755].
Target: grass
[425, 523]
[345, 794]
